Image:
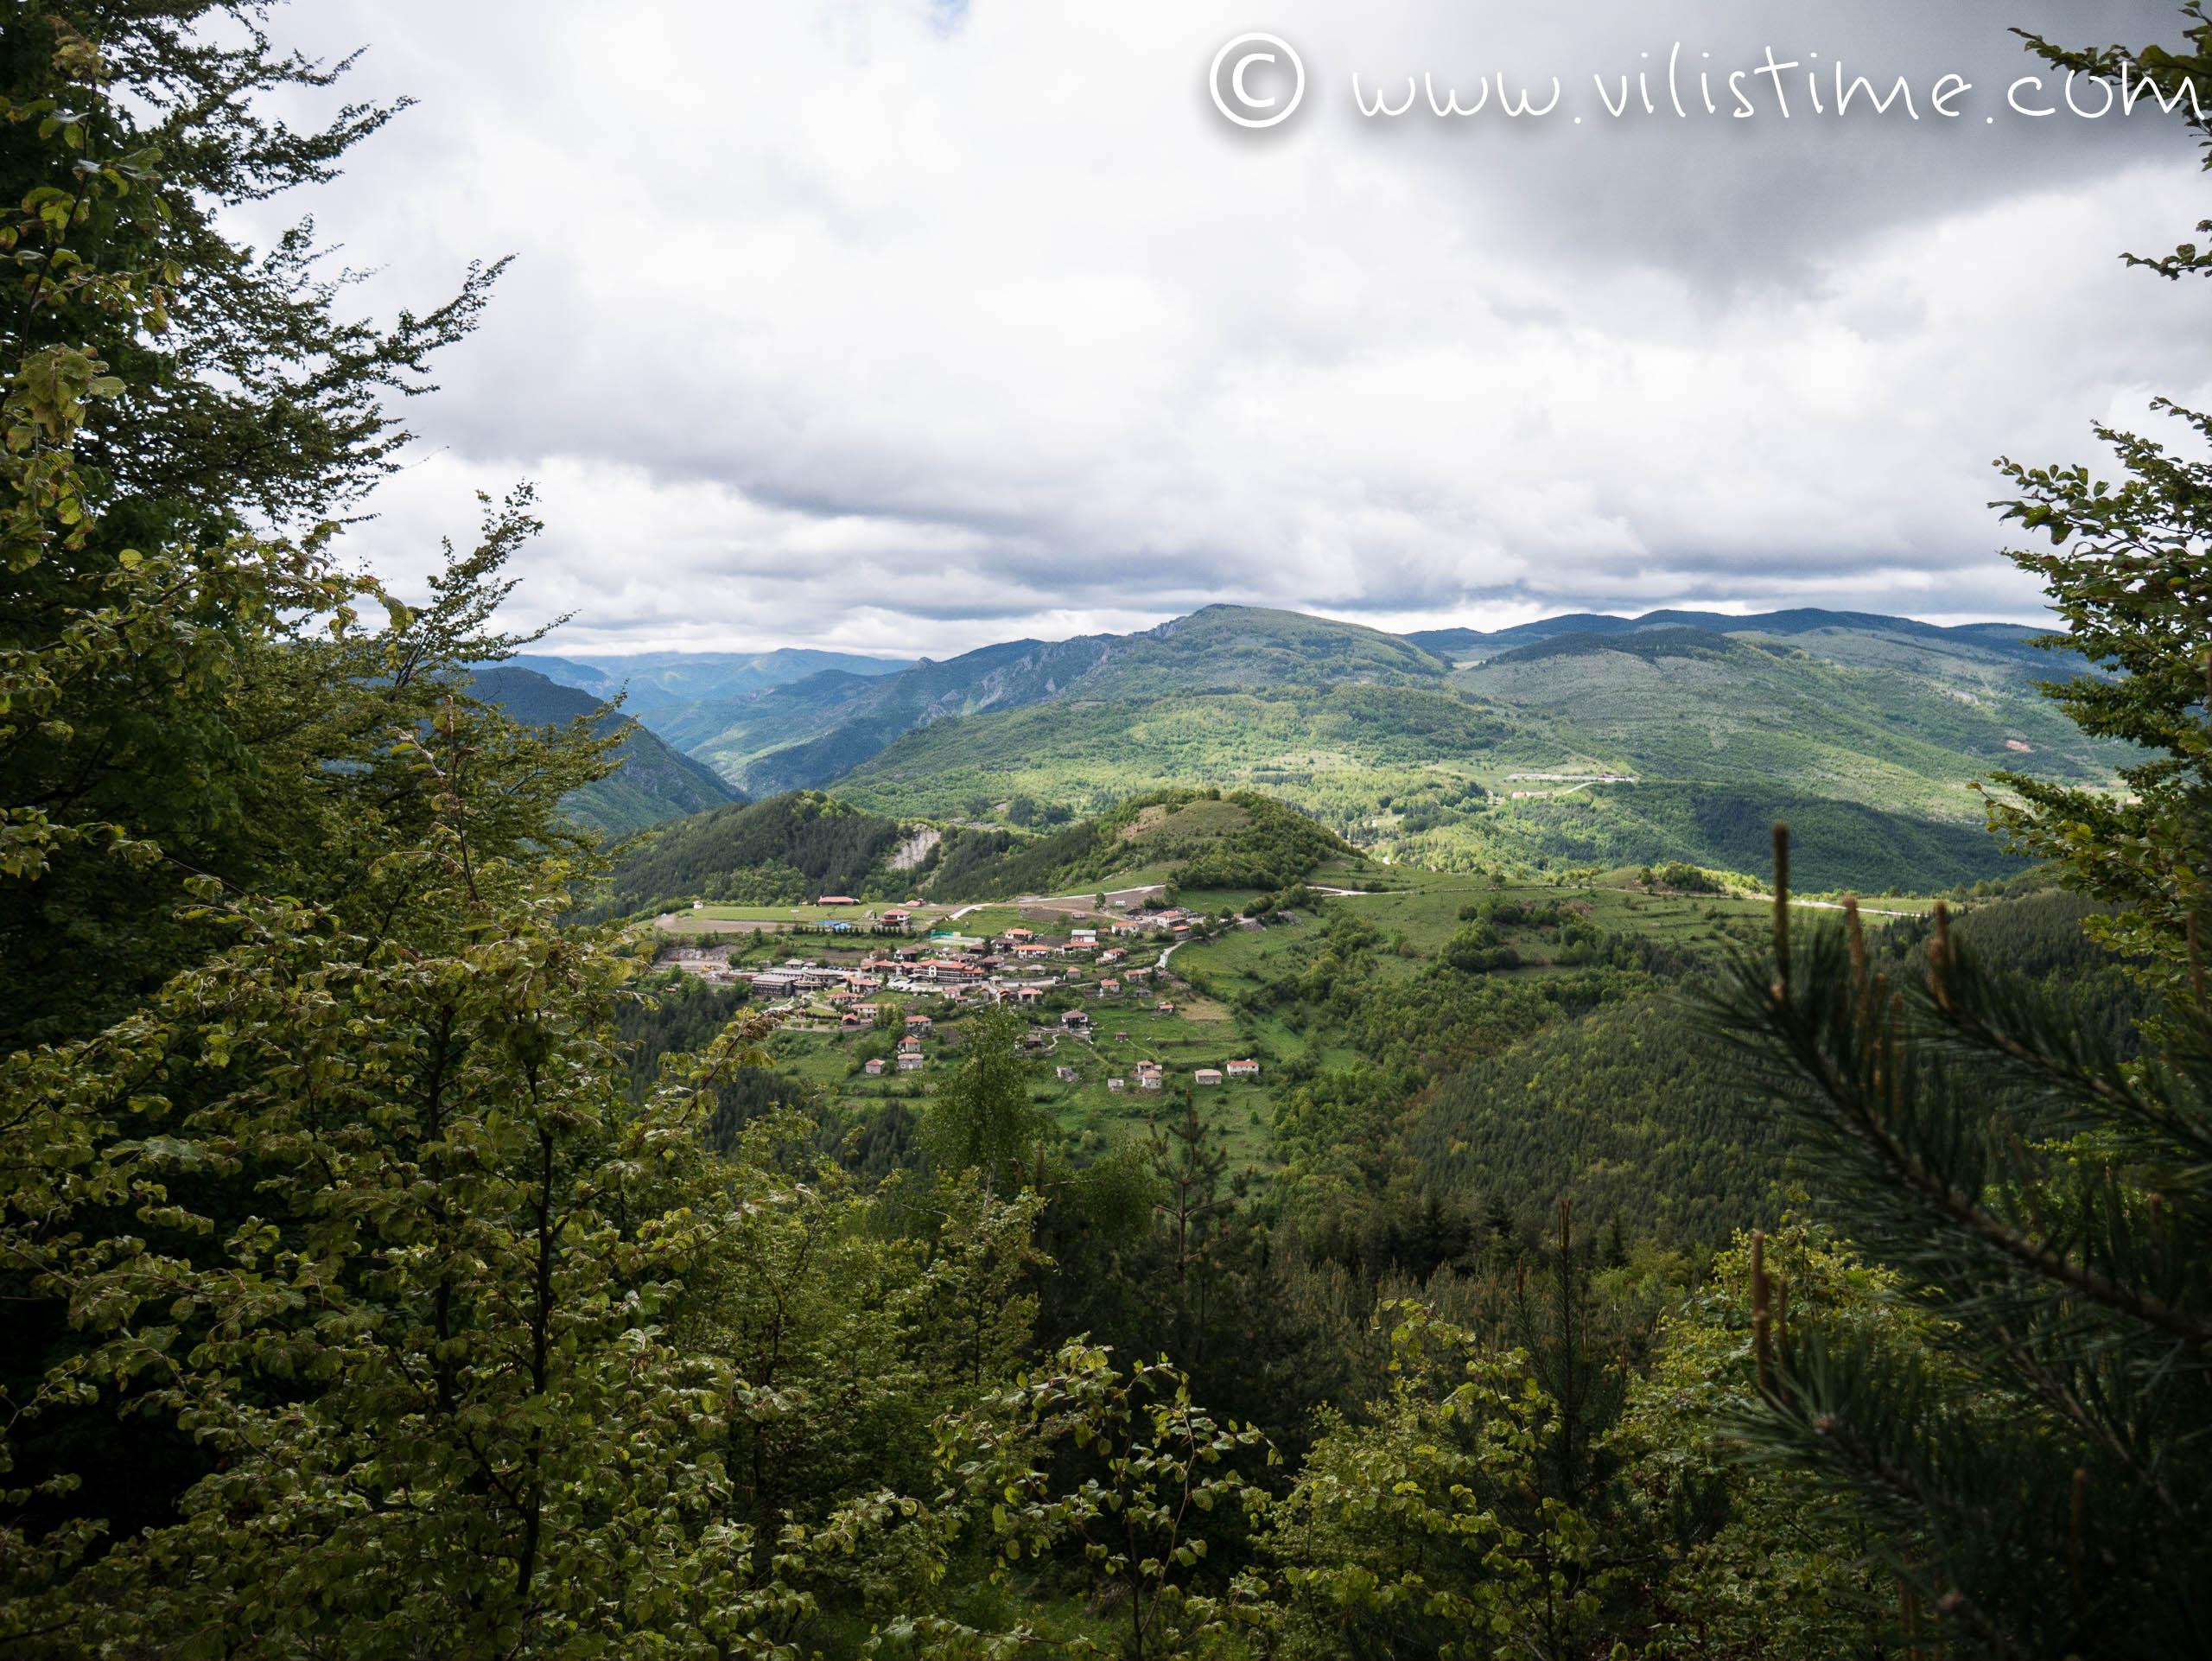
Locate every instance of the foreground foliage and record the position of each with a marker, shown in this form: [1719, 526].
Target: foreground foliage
[2046, 1197]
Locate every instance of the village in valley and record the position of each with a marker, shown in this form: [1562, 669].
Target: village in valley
[871, 998]
[1142, 1003]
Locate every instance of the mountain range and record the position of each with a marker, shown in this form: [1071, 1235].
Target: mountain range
[663, 680]
[2004, 640]
[653, 782]
[1864, 730]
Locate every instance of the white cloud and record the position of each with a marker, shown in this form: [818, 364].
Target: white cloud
[877, 327]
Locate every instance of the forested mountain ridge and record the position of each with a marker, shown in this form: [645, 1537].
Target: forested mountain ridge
[651, 782]
[814, 731]
[2002, 640]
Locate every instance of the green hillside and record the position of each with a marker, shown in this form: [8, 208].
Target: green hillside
[1200, 839]
[815, 730]
[1866, 732]
[653, 782]
[1691, 704]
[1314, 747]
[787, 850]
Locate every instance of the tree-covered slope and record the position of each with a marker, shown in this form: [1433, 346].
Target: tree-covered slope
[1631, 1113]
[786, 850]
[1202, 838]
[654, 782]
[1839, 843]
[1637, 1115]
[1693, 705]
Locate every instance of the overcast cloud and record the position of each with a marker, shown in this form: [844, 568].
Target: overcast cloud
[903, 326]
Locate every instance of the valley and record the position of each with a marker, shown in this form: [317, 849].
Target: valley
[1362, 989]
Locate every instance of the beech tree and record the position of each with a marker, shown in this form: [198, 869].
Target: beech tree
[982, 1119]
[177, 683]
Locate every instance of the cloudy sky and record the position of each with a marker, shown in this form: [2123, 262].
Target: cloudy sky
[905, 326]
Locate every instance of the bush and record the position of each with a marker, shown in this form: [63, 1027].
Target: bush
[1476, 950]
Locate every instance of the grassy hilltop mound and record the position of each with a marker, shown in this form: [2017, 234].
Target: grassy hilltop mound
[793, 848]
[1201, 839]
[654, 782]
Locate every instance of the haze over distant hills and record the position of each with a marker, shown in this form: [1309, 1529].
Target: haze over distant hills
[1866, 730]
[660, 680]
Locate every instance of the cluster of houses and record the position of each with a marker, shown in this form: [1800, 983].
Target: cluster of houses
[1151, 1075]
[1015, 967]
[1075, 1023]
[908, 1057]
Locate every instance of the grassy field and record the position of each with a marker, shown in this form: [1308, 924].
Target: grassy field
[1127, 1030]
[859, 916]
